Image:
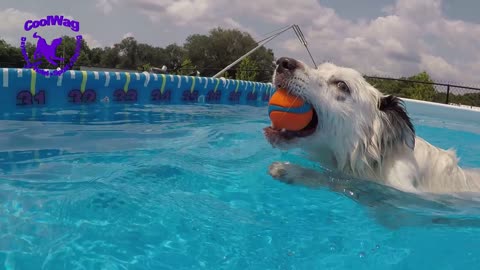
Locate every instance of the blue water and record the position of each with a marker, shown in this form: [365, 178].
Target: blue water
[186, 187]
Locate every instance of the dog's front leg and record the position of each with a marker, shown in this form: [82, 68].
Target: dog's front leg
[297, 175]
[358, 190]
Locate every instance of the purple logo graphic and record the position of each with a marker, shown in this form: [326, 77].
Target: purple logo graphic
[48, 52]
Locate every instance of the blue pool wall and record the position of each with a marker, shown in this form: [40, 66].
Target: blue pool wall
[25, 88]
[21, 89]
[446, 112]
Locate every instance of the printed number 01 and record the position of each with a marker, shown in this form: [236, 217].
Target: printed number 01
[26, 98]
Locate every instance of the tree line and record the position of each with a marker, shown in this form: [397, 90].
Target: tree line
[411, 87]
[200, 54]
[207, 54]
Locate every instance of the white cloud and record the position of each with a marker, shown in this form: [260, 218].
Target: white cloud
[11, 27]
[91, 41]
[176, 12]
[106, 6]
[409, 36]
[440, 65]
[231, 23]
[126, 35]
[13, 19]
[412, 36]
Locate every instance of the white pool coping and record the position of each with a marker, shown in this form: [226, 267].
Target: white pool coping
[466, 116]
[449, 106]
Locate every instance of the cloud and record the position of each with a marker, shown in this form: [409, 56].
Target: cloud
[14, 19]
[407, 37]
[177, 12]
[12, 24]
[201, 12]
[91, 41]
[231, 23]
[12, 27]
[106, 6]
[126, 35]
[411, 37]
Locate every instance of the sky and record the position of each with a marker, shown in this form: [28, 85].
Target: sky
[390, 38]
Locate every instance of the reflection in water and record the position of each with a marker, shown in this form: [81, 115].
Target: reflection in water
[394, 208]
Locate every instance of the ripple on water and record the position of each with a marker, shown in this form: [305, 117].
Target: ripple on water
[185, 187]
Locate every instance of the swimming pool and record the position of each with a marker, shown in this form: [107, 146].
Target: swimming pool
[186, 187]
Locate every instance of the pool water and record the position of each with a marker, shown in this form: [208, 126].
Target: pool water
[186, 187]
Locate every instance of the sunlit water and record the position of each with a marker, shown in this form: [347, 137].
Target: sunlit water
[186, 187]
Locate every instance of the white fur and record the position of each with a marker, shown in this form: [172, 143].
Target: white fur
[352, 131]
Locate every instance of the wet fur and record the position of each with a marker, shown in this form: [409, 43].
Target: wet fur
[365, 134]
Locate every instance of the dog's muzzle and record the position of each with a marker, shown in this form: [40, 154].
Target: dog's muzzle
[286, 64]
[286, 67]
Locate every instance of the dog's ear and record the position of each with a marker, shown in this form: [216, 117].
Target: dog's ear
[398, 122]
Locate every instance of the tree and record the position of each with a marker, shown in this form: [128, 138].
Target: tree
[407, 89]
[210, 53]
[187, 67]
[110, 57]
[10, 56]
[152, 56]
[174, 56]
[247, 70]
[96, 56]
[145, 67]
[220, 47]
[128, 49]
[226, 75]
[421, 91]
[197, 49]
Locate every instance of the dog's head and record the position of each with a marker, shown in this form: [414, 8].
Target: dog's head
[56, 42]
[349, 112]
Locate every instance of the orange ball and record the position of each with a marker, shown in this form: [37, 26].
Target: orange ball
[288, 112]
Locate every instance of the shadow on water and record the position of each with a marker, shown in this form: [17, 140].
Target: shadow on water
[395, 209]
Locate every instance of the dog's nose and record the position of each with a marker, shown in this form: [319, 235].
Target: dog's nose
[286, 64]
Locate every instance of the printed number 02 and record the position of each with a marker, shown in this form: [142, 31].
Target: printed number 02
[76, 96]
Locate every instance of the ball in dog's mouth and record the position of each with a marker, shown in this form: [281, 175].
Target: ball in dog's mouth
[273, 134]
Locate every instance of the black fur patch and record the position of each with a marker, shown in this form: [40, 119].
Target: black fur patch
[398, 117]
[341, 98]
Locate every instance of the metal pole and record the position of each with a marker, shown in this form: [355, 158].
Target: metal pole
[302, 39]
[250, 52]
[448, 93]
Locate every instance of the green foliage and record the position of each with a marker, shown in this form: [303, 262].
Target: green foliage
[220, 47]
[111, 57]
[187, 67]
[227, 75]
[128, 48]
[174, 55]
[10, 56]
[407, 89]
[209, 54]
[422, 91]
[247, 70]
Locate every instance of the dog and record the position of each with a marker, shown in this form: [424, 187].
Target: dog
[47, 51]
[358, 132]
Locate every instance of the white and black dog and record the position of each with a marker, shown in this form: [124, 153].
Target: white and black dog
[359, 132]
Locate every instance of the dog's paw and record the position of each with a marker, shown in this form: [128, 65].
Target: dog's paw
[279, 171]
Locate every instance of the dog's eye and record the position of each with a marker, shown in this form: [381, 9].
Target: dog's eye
[341, 85]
